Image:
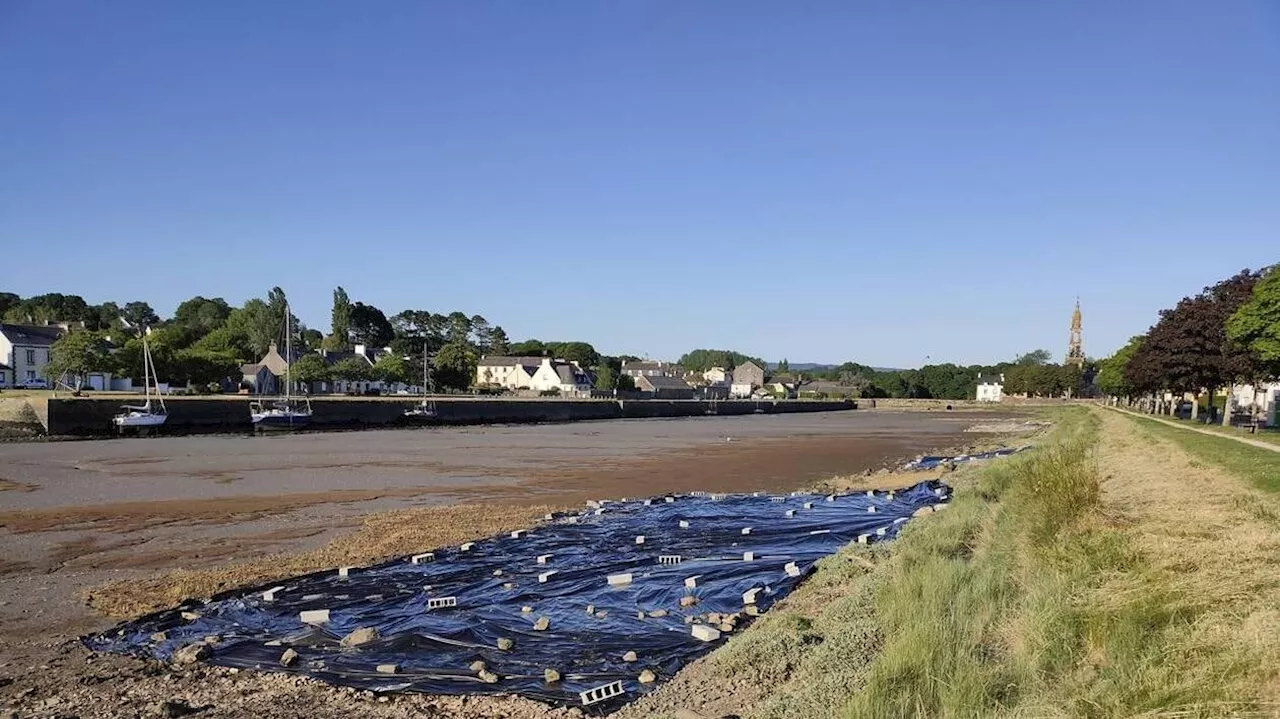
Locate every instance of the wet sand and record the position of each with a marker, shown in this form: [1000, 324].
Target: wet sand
[77, 514]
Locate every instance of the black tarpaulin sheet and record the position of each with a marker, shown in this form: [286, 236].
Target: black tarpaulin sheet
[729, 544]
[929, 462]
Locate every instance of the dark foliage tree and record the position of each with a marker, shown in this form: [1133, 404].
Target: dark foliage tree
[197, 317]
[701, 360]
[1111, 371]
[340, 323]
[455, 365]
[528, 348]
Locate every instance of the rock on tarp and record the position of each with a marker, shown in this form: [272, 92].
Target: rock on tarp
[434, 648]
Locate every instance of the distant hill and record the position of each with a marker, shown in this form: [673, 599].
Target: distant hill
[819, 367]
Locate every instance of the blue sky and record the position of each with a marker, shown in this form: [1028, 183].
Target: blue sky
[825, 181]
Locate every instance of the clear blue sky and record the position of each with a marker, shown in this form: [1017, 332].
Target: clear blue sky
[875, 181]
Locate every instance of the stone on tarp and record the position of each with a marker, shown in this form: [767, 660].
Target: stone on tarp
[363, 635]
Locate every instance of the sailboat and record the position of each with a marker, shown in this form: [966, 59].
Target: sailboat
[285, 413]
[146, 415]
[426, 409]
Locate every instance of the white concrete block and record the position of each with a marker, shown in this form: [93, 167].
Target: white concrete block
[748, 556]
[882, 531]
[871, 493]
[549, 516]
[648, 502]
[746, 530]
[670, 559]
[442, 602]
[314, 616]
[619, 580]
[543, 558]
[749, 596]
[872, 509]
[601, 693]
[791, 512]
[777, 499]
[571, 520]
[424, 557]
[547, 575]
[808, 505]
[692, 582]
[684, 524]
[670, 499]
[270, 594]
[466, 547]
[519, 533]
[831, 497]
[639, 539]
[600, 511]
[793, 569]
[864, 539]
[705, 633]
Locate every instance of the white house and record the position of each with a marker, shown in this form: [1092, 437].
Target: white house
[635, 369]
[990, 388]
[717, 375]
[539, 374]
[25, 349]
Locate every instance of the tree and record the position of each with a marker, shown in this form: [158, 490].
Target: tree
[783, 366]
[625, 382]
[414, 329]
[309, 369]
[606, 378]
[1255, 326]
[197, 317]
[201, 368]
[1111, 371]
[76, 353]
[702, 360]
[351, 369]
[455, 365]
[230, 341]
[139, 315]
[256, 324]
[480, 333]
[528, 348]
[1034, 357]
[369, 327]
[8, 301]
[581, 352]
[391, 368]
[309, 339]
[340, 323]
[498, 342]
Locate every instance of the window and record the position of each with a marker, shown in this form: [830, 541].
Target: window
[31, 374]
[31, 356]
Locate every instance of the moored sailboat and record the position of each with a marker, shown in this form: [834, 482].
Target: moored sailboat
[146, 415]
[285, 413]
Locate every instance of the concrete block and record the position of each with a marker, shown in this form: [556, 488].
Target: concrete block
[872, 509]
[684, 524]
[549, 516]
[746, 530]
[571, 520]
[793, 569]
[639, 539]
[881, 531]
[424, 557]
[871, 493]
[466, 547]
[619, 580]
[442, 602]
[777, 499]
[790, 512]
[821, 531]
[692, 582]
[345, 572]
[270, 594]
[519, 533]
[831, 497]
[314, 616]
[388, 669]
[600, 511]
[543, 558]
[669, 499]
[808, 505]
[601, 693]
[749, 596]
[542, 578]
[864, 539]
[670, 559]
[648, 502]
[705, 633]
[748, 556]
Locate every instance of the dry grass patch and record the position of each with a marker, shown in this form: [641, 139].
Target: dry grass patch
[382, 536]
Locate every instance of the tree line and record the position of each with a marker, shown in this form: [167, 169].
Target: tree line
[1228, 333]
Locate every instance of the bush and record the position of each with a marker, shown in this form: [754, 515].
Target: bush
[553, 392]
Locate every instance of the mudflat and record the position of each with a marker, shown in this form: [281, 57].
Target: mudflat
[138, 512]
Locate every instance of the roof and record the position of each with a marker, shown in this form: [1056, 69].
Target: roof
[783, 378]
[990, 379]
[571, 374]
[250, 369]
[665, 382]
[748, 364]
[504, 361]
[643, 365]
[31, 335]
[332, 358]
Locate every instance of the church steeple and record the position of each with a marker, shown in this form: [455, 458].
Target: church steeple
[1075, 346]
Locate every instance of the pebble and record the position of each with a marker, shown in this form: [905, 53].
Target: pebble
[542, 624]
[550, 676]
[648, 677]
[288, 658]
[488, 677]
[688, 600]
[192, 653]
[478, 666]
[629, 657]
[363, 635]
[526, 609]
[505, 644]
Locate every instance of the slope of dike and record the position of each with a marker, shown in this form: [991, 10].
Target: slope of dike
[92, 416]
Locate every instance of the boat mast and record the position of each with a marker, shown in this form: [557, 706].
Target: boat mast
[146, 372]
[288, 353]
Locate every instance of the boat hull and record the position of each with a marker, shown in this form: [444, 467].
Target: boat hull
[139, 419]
[280, 422]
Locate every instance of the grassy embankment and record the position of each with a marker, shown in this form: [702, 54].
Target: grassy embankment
[1029, 596]
[1260, 466]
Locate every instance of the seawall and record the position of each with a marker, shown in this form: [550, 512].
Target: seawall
[92, 416]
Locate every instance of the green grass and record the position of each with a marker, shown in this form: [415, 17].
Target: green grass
[1259, 466]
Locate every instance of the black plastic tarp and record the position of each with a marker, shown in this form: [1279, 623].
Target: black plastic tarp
[729, 544]
[928, 462]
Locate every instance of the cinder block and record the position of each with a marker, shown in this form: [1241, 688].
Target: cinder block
[519, 533]
[692, 582]
[639, 539]
[793, 569]
[748, 556]
[466, 547]
[442, 602]
[543, 558]
[270, 594]
[669, 499]
[542, 578]
[345, 571]
[424, 557]
[314, 616]
[669, 559]
[684, 524]
[601, 693]
[749, 596]
[791, 512]
[864, 539]
[808, 505]
[619, 580]
[746, 530]
[872, 509]
[705, 633]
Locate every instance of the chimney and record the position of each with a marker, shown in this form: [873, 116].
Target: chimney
[274, 348]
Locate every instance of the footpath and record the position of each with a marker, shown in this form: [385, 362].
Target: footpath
[1182, 425]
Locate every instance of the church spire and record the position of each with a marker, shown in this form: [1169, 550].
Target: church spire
[1075, 346]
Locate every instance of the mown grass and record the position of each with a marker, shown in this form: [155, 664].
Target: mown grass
[1260, 466]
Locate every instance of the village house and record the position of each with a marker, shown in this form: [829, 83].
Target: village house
[665, 387]
[635, 369]
[747, 377]
[24, 350]
[718, 375]
[990, 387]
[537, 374]
[1261, 402]
[781, 384]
